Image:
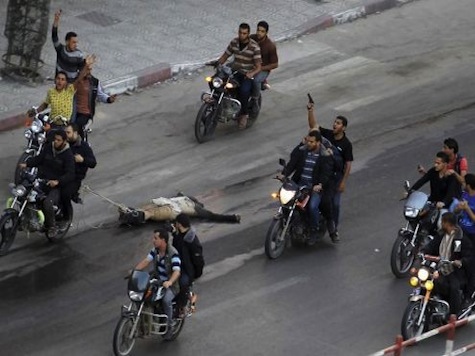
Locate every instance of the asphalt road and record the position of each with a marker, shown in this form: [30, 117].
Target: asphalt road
[404, 90]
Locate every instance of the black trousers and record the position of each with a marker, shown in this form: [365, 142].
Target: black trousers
[185, 283]
[449, 287]
[67, 192]
[209, 215]
[81, 121]
[52, 199]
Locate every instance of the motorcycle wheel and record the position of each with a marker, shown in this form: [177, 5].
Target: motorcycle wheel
[255, 108]
[409, 327]
[177, 330]
[273, 247]
[122, 343]
[205, 123]
[63, 228]
[8, 229]
[402, 256]
[24, 156]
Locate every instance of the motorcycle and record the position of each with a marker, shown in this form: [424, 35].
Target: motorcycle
[423, 221]
[36, 138]
[221, 104]
[290, 225]
[144, 317]
[426, 310]
[23, 212]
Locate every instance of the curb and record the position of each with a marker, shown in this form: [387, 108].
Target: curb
[163, 71]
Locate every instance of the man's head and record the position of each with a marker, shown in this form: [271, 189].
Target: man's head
[160, 238]
[441, 161]
[314, 138]
[470, 182]
[182, 222]
[451, 147]
[61, 80]
[340, 124]
[244, 32]
[262, 29]
[59, 139]
[72, 132]
[71, 41]
[449, 221]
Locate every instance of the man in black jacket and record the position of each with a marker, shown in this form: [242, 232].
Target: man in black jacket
[84, 159]
[313, 167]
[55, 164]
[450, 244]
[185, 242]
[443, 185]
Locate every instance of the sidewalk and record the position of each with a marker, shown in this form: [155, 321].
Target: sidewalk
[143, 42]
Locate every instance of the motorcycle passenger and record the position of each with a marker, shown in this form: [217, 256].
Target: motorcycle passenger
[83, 158]
[337, 137]
[269, 57]
[443, 185]
[184, 241]
[55, 164]
[450, 244]
[313, 167]
[88, 90]
[168, 268]
[60, 99]
[466, 209]
[247, 60]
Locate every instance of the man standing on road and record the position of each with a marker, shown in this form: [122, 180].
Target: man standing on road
[338, 138]
[69, 59]
[247, 60]
[269, 57]
[168, 267]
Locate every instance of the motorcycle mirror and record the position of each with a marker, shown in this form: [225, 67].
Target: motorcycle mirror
[282, 162]
[407, 185]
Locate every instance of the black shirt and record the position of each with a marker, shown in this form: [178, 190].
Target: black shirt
[344, 145]
[441, 189]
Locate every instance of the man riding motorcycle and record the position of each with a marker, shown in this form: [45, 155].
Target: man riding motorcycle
[56, 165]
[247, 60]
[313, 167]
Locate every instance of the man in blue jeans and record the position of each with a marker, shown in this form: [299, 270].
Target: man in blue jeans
[312, 166]
[269, 57]
[247, 60]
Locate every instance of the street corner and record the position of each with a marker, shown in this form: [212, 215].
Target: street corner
[11, 121]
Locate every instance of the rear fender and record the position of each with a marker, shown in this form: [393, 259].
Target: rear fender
[416, 298]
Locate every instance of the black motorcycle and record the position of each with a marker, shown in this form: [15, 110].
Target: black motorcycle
[422, 219]
[144, 316]
[221, 104]
[290, 224]
[35, 135]
[426, 310]
[23, 212]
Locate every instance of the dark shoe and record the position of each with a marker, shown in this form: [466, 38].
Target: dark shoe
[242, 121]
[335, 237]
[238, 218]
[312, 237]
[76, 199]
[52, 232]
[171, 329]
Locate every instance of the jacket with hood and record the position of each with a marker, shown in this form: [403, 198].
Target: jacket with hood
[183, 242]
[83, 148]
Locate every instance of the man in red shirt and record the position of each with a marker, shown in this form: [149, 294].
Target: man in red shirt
[269, 57]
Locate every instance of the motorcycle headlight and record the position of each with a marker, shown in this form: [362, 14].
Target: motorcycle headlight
[423, 274]
[36, 126]
[410, 212]
[28, 134]
[135, 297]
[217, 82]
[429, 285]
[286, 195]
[19, 191]
[41, 138]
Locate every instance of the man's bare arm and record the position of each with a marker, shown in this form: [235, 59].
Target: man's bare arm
[312, 120]
[142, 264]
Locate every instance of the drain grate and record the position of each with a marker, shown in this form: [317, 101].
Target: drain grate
[99, 18]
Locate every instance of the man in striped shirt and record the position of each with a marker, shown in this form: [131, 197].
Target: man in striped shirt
[69, 58]
[168, 267]
[247, 60]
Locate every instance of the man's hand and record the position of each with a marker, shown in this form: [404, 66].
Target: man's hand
[463, 205]
[439, 205]
[52, 183]
[111, 98]
[457, 263]
[317, 188]
[57, 16]
[90, 59]
[341, 187]
[250, 75]
[421, 169]
[167, 284]
[449, 172]
[22, 165]
[310, 106]
[78, 158]
[280, 176]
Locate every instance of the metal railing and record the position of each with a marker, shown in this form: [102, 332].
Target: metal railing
[399, 346]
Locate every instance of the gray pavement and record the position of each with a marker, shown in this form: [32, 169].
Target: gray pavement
[139, 43]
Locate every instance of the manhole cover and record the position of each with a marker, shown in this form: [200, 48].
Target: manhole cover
[99, 18]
